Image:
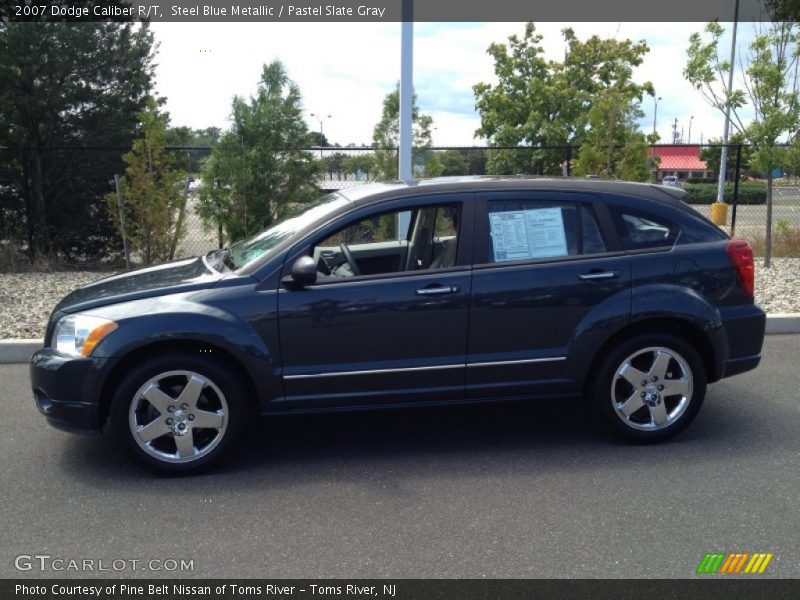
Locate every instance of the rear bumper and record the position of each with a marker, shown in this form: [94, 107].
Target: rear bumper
[744, 328]
[59, 385]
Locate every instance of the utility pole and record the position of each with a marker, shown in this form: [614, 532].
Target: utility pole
[719, 210]
[655, 114]
[689, 141]
[406, 91]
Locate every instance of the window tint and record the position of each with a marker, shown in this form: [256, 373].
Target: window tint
[638, 230]
[424, 238]
[525, 230]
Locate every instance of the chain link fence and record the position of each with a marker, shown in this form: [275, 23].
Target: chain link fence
[62, 202]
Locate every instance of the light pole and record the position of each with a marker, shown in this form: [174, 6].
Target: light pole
[655, 114]
[321, 120]
[689, 141]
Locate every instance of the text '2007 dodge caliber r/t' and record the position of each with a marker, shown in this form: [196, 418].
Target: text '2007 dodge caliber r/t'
[442, 291]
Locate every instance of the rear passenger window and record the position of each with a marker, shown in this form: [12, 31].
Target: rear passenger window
[638, 230]
[528, 229]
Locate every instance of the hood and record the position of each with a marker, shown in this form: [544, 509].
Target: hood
[171, 278]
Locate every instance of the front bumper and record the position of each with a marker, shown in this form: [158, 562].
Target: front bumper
[65, 392]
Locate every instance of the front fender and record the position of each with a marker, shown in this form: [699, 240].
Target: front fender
[164, 320]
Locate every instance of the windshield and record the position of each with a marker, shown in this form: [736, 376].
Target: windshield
[244, 252]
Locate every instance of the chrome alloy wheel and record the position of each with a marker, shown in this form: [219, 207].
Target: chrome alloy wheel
[652, 388]
[178, 416]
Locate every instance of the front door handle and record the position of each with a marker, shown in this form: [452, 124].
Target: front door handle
[592, 276]
[439, 291]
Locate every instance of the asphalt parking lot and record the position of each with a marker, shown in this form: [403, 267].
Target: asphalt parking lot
[498, 491]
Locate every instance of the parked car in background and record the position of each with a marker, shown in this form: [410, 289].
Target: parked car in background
[671, 181]
[394, 295]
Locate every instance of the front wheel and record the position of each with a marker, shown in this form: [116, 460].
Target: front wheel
[650, 388]
[177, 413]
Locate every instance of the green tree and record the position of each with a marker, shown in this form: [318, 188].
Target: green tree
[386, 134]
[538, 102]
[454, 162]
[261, 165]
[334, 163]
[770, 80]
[711, 154]
[196, 146]
[361, 164]
[65, 85]
[152, 192]
[614, 147]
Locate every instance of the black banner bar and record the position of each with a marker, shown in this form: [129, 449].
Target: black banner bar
[711, 588]
[672, 13]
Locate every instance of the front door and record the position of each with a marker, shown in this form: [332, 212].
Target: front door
[386, 321]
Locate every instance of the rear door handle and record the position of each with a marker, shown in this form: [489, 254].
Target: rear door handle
[599, 275]
[439, 291]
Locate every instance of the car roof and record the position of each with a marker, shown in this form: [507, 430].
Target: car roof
[367, 194]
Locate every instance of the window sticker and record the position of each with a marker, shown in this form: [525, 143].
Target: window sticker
[526, 234]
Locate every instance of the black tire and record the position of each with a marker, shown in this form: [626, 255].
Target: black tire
[679, 409]
[221, 399]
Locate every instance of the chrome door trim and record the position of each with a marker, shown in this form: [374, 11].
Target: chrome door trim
[498, 363]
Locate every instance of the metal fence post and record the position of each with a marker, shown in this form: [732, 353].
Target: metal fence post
[122, 225]
[569, 161]
[735, 200]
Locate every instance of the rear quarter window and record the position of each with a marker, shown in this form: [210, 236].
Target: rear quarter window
[640, 230]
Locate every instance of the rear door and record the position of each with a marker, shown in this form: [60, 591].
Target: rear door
[544, 273]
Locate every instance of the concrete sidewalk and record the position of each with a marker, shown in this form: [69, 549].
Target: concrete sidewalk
[20, 351]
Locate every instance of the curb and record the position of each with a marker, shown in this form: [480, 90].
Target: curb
[20, 351]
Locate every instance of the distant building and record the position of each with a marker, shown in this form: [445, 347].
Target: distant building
[681, 161]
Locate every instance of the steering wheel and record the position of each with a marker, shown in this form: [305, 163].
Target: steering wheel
[348, 256]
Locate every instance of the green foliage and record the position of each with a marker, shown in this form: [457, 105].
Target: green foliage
[261, 165]
[191, 161]
[712, 155]
[386, 134]
[454, 162]
[614, 148]
[540, 102]
[770, 80]
[361, 164]
[152, 192]
[750, 192]
[334, 163]
[67, 85]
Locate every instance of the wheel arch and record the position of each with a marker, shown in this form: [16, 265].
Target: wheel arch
[159, 348]
[683, 328]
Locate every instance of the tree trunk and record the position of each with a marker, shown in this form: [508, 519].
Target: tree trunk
[41, 230]
[181, 214]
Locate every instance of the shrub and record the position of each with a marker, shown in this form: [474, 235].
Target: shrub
[785, 241]
[750, 192]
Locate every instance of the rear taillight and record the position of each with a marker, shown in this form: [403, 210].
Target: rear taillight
[741, 254]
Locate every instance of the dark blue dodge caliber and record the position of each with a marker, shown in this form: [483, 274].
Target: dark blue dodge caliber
[443, 291]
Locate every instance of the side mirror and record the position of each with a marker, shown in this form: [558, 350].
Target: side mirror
[304, 271]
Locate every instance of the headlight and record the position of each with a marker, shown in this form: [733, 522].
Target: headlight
[77, 335]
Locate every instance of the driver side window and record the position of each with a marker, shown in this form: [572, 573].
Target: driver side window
[407, 240]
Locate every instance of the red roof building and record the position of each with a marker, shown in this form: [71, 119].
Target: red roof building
[681, 161]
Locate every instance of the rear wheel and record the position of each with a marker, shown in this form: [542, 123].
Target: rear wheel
[177, 413]
[650, 387]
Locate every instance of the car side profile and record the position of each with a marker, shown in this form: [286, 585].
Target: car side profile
[395, 295]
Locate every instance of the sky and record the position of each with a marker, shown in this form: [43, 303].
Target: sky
[345, 71]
